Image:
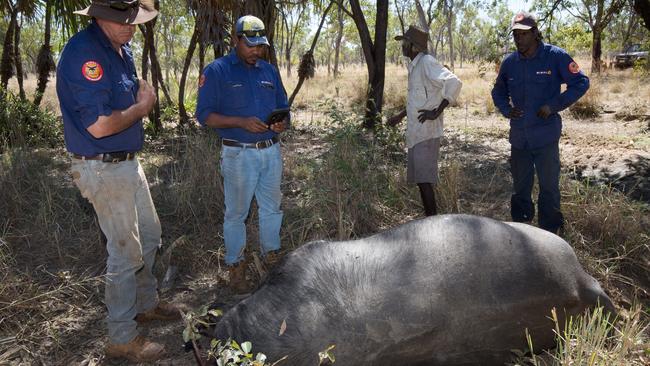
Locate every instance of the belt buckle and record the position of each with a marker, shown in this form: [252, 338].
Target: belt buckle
[262, 144]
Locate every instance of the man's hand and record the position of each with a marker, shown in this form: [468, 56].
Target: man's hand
[253, 124]
[515, 113]
[146, 97]
[544, 111]
[426, 115]
[278, 126]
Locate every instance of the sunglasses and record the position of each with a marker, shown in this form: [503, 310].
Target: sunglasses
[123, 5]
[253, 33]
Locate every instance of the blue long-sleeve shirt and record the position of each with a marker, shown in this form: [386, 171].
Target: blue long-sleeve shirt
[530, 83]
[93, 80]
[230, 87]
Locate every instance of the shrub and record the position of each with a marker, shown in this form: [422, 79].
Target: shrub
[25, 124]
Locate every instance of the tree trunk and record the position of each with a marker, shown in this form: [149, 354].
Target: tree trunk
[19, 60]
[145, 53]
[45, 61]
[7, 63]
[155, 70]
[450, 30]
[596, 49]
[184, 119]
[337, 44]
[201, 56]
[375, 55]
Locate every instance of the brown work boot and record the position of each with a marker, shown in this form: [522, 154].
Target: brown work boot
[271, 259]
[237, 274]
[139, 349]
[162, 311]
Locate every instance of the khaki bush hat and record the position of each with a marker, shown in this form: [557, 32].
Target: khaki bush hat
[524, 21]
[121, 11]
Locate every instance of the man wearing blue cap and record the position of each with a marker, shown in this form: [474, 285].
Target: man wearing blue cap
[237, 93]
[527, 91]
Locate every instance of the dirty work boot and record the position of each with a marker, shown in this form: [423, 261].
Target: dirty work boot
[162, 311]
[138, 350]
[271, 259]
[237, 274]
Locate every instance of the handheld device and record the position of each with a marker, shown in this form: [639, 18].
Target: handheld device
[278, 115]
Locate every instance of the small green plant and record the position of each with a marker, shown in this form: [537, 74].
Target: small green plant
[326, 356]
[194, 320]
[230, 353]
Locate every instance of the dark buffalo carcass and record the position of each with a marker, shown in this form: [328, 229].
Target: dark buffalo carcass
[445, 290]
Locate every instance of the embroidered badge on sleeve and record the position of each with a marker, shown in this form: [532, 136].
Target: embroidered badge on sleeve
[201, 81]
[92, 71]
[574, 68]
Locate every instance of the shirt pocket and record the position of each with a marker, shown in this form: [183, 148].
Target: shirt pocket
[124, 93]
[541, 91]
[420, 96]
[235, 96]
[267, 93]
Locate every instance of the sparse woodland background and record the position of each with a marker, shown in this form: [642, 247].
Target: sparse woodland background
[344, 169]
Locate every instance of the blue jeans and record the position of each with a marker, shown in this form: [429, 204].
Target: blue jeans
[523, 165]
[120, 195]
[247, 172]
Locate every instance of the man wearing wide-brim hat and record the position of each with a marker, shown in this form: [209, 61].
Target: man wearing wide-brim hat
[431, 88]
[103, 103]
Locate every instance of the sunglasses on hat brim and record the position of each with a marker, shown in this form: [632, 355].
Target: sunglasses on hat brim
[253, 33]
[123, 5]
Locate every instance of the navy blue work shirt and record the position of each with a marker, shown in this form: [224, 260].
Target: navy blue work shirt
[530, 83]
[230, 87]
[92, 80]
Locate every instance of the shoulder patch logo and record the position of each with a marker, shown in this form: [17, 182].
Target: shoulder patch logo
[92, 70]
[574, 68]
[201, 81]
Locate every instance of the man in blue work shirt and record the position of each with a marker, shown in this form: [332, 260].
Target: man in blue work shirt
[237, 93]
[527, 91]
[103, 103]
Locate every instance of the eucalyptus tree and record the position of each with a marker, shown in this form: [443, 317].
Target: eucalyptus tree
[339, 38]
[597, 14]
[374, 51]
[293, 16]
[625, 28]
[11, 59]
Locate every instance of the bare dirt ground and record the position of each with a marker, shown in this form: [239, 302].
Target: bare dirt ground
[605, 150]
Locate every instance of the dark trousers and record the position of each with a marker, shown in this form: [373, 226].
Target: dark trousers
[523, 165]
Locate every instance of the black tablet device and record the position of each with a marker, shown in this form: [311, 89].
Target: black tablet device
[278, 115]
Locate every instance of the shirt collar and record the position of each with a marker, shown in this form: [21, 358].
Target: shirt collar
[101, 36]
[538, 51]
[416, 60]
[234, 59]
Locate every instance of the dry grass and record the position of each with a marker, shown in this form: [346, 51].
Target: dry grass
[340, 183]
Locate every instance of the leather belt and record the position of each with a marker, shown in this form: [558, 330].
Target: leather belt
[258, 145]
[114, 157]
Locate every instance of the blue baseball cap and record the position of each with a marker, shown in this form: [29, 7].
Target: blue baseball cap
[252, 30]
